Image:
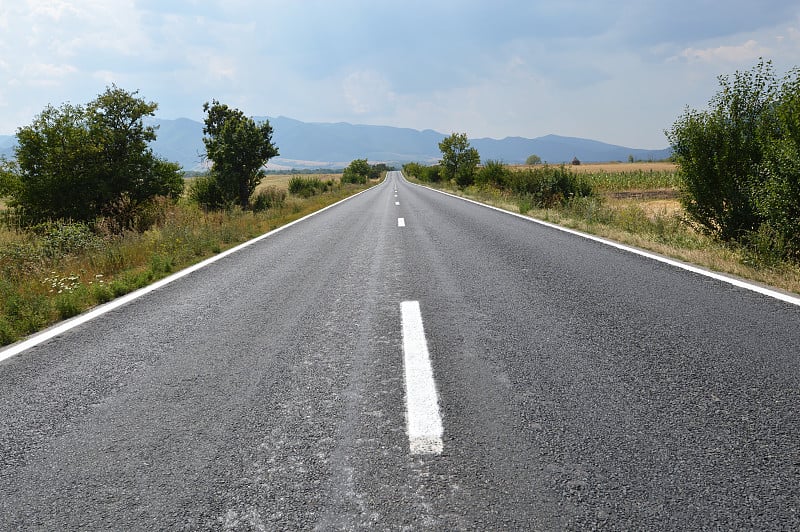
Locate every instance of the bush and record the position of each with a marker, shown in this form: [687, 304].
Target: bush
[59, 239]
[269, 198]
[205, 191]
[431, 174]
[493, 173]
[548, 186]
[357, 172]
[305, 187]
[739, 162]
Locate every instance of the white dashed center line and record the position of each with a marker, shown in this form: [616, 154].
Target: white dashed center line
[401, 222]
[397, 203]
[422, 404]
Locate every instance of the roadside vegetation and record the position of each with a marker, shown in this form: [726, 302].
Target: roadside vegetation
[88, 213]
[730, 200]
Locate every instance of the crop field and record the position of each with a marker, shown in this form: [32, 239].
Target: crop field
[627, 177]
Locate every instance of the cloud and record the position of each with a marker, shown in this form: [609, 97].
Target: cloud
[367, 92]
[46, 75]
[742, 53]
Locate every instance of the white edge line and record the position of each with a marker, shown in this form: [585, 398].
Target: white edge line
[672, 262]
[56, 330]
[424, 422]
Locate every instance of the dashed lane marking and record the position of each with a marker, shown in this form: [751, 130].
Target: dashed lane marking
[422, 404]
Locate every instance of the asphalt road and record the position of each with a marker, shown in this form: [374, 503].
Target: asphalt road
[578, 386]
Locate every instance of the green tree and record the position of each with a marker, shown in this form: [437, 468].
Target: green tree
[459, 160]
[777, 199]
[9, 177]
[720, 152]
[74, 162]
[238, 148]
[533, 160]
[358, 171]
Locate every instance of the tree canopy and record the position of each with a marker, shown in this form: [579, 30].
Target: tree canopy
[459, 160]
[238, 147]
[74, 162]
[739, 158]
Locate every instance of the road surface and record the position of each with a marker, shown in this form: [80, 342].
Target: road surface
[410, 361]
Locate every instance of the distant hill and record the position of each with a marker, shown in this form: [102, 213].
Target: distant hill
[7, 143]
[330, 145]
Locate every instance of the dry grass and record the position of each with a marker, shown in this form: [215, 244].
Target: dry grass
[40, 285]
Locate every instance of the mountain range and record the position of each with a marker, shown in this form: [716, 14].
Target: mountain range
[334, 145]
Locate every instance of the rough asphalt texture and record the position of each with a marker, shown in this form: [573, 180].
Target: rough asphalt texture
[581, 387]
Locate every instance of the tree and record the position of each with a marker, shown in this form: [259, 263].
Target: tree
[720, 152]
[358, 171]
[459, 160]
[238, 148]
[533, 160]
[74, 162]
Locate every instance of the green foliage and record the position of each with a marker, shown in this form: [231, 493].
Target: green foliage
[412, 170]
[305, 187]
[493, 173]
[720, 150]
[9, 177]
[533, 160]
[269, 198]
[739, 161]
[459, 160]
[238, 148]
[205, 191]
[358, 171]
[74, 161]
[548, 186]
[377, 169]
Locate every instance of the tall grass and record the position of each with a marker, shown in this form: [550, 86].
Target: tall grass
[64, 269]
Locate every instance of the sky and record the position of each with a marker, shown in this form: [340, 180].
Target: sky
[618, 71]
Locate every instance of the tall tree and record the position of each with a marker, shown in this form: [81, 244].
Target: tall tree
[238, 148]
[74, 161]
[459, 160]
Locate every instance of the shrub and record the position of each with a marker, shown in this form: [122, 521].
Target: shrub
[269, 198]
[205, 191]
[305, 187]
[548, 186]
[739, 162]
[357, 172]
[493, 173]
[431, 174]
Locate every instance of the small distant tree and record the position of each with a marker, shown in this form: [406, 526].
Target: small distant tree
[533, 160]
[576, 161]
[459, 160]
[238, 147]
[358, 171]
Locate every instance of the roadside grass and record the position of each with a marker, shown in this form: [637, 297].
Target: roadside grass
[640, 211]
[45, 278]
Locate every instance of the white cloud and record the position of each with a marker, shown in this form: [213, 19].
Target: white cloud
[45, 74]
[742, 53]
[367, 91]
[54, 9]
